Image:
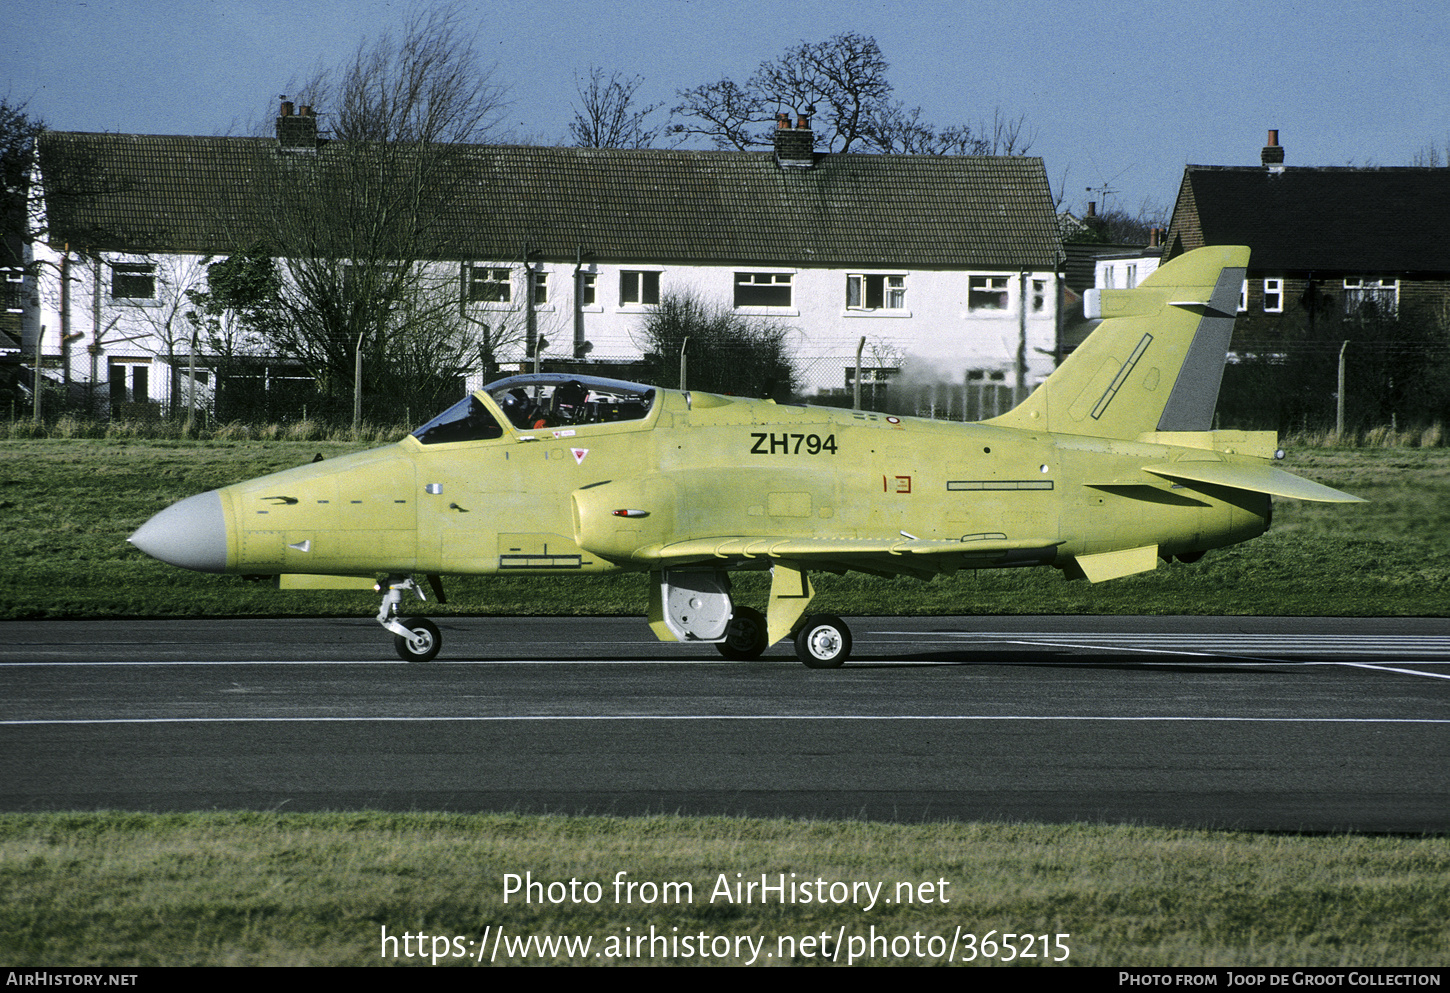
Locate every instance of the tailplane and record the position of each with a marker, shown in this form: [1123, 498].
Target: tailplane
[1155, 362]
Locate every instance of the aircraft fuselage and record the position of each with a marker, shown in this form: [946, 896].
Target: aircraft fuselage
[614, 496]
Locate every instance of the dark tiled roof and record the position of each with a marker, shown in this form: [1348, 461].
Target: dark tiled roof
[199, 194]
[1301, 219]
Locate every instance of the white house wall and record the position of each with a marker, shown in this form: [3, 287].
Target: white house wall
[936, 327]
[106, 331]
[940, 330]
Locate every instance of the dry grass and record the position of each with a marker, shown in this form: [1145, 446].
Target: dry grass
[1384, 436]
[70, 426]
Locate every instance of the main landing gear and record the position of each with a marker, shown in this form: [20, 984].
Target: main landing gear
[695, 605]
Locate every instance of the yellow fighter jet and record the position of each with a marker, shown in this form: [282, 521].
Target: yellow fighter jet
[1105, 469]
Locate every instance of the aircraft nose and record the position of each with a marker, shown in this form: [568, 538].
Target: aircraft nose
[191, 533]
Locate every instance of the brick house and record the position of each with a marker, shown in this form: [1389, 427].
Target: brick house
[1338, 255]
[1326, 242]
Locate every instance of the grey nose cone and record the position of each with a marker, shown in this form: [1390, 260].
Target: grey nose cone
[191, 534]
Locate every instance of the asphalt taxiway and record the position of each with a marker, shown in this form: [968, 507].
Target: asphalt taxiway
[1256, 723]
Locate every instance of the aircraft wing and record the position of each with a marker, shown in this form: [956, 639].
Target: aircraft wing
[1255, 478]
[904, 555]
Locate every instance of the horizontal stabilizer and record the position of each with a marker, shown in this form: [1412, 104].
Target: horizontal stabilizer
[1255, 478]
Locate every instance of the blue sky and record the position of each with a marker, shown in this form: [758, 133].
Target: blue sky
[1117, 94]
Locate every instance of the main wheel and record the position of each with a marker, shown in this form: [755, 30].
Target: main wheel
[823, 641]
[425, 643]
[746, 636]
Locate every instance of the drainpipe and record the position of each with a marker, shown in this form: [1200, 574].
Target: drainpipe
[531, 328]
[578, 304]
[1019, 388]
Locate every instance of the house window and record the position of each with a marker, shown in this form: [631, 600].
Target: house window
[987, 293]
[540, 281]
[763, 289]
[133, 281]
[587, 288]
[870, 292]
[1132, 276]
[1039, 295]
[13, 288]
[1273, 296]
[639, 288]
[1365, 296]
[487, 284]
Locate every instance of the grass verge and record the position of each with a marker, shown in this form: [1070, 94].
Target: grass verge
[280, 889]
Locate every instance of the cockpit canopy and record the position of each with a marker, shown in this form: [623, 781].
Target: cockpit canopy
[536, 402]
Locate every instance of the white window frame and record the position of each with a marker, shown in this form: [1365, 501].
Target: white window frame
[134, 270]
[14, 291]
[989, 284]
[1273, 290]
[638, 283]
[766, 280]
[1358, 289]
[1244, 297]
[1039, 296]
[892, 293]
[484, 275]
[588, 290]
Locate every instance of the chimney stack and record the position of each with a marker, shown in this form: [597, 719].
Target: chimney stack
[296, 132]
[1273, 153]
[794, 146]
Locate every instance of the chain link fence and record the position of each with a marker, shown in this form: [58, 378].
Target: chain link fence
[1292, 388]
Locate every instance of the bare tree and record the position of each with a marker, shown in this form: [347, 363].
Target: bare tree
[360, 225]
[842, 86]
[723, 113]
[842, 82]
[18, 132]
[1431, 157]
[607, 118]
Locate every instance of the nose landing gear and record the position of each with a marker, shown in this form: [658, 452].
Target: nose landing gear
[416, 639]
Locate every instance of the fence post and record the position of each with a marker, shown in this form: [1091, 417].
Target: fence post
[856, 399]
[1339, 398]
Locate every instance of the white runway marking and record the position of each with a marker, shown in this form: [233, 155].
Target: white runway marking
[524, 718]
[1239, 649]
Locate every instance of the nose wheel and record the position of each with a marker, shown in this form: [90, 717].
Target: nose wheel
[422, 642]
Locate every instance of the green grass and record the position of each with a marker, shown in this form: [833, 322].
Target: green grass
[280, 889]
[69, 504]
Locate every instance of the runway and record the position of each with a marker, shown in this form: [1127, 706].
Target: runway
[1254, 723]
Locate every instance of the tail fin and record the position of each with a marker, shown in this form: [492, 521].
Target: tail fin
[1155, 363]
